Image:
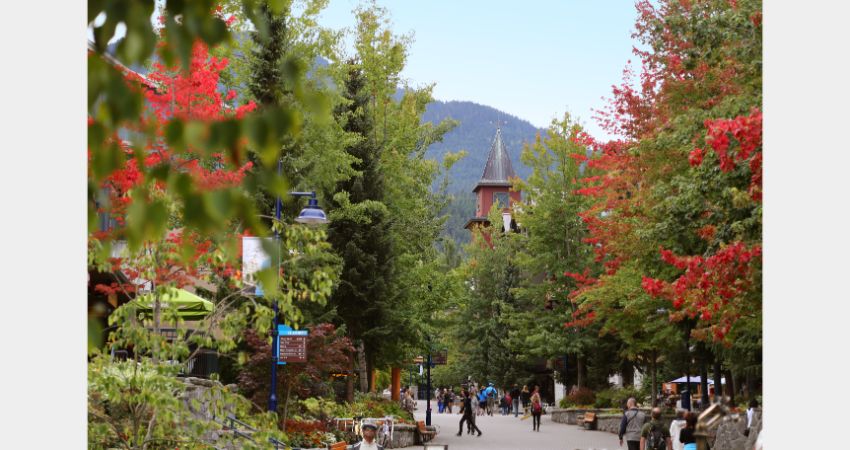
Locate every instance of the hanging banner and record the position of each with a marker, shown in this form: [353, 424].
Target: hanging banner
[254, 259]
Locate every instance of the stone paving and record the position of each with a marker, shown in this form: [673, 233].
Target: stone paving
[510, 433]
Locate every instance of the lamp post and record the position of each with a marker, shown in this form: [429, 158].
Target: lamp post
[311, 215]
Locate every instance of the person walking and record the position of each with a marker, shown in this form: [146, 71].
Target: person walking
[631, 425]
[447, 401]
[676, 429]
[654, 435]
[525, 397]
[536, 409]
[515, 399]
[492, 394]
[687, 441]
[438, 394]
[482, 402]
[466, 409]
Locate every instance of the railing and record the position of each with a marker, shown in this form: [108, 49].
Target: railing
[203, 364]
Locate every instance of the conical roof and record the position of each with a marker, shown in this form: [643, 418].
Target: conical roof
[498, 170]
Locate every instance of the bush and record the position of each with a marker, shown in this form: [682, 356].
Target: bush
[581, 397]
[366, 405]
[616, 398]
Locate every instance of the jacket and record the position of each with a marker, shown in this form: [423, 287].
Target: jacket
[631, 424]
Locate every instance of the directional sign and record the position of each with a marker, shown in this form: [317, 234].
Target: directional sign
[291, 345]
[440, 357]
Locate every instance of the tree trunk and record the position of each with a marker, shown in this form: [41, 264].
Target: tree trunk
[349, 387]
[703, 373]
[580, 371]
[362, 370]
[718, 380]
[751, 386]
[627, 370]
[730, 387]
[654, 380]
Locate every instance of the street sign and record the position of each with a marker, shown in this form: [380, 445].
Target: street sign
[291, 345]
[419, 360]
[440, 357]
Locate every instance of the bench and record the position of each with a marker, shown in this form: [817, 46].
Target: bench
[338, 446]
[589, 421]
[426, 434]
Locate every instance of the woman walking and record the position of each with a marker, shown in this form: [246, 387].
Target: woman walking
[686, 437]
[536, 408]
[525, 396]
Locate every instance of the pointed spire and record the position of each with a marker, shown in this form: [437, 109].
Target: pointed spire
[498, 168]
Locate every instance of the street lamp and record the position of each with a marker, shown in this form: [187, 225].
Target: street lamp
[311, 215]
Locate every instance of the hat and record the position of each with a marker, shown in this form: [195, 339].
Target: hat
[370, 424]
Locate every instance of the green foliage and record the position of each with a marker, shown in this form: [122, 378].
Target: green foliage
[616, 398]
[371, 405]
[140, 405]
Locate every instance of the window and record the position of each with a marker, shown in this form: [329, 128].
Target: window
[503, 199]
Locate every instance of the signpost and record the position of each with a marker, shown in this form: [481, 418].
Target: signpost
[440, 357]
[291, 345]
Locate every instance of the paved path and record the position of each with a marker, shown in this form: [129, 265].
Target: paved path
[510, 433]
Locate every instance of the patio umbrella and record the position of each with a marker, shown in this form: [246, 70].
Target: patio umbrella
[189, 306]
[696, 379]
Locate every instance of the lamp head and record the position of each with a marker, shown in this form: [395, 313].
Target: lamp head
[312, 214]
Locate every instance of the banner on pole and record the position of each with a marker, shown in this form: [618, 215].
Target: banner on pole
[254, 259]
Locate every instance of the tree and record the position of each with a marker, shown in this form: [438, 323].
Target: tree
[328, 352]
[658, 194]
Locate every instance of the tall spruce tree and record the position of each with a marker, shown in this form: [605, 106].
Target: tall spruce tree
[359, 229]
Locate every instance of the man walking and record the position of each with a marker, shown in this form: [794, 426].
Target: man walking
[654, 435]
[491, 398]
[515, 399]
[466, 409]
[631, 425]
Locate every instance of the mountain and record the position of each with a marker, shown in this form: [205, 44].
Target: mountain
[475, 135]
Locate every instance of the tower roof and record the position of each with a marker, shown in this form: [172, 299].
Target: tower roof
[498, 170]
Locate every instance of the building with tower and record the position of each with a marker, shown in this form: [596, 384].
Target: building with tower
[494, 187]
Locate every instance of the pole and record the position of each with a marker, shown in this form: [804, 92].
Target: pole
[428, 396]
[273, 389]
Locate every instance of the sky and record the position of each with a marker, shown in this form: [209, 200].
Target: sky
[532, 59]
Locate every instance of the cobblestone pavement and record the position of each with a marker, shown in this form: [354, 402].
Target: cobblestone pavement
[510, 433]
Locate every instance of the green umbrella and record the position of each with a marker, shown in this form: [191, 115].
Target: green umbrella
[189, 306]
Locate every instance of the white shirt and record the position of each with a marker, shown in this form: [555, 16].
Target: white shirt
[367, 446]
[676, 430]
[750, 413]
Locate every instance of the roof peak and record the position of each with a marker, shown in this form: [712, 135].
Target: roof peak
[498, 168]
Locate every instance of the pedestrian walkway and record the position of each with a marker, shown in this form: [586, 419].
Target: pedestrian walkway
[511, 433]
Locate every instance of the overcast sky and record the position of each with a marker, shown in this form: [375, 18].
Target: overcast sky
[534, 59]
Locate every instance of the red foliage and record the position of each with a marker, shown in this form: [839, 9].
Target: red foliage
[747, 132]
[326, 354]
[714, 289]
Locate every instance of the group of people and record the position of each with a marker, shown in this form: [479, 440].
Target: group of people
[653, 435]
[477, 401]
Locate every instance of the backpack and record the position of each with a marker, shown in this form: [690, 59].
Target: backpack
[656, 439]
[537, 407]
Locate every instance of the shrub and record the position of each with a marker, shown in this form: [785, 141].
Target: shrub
[616, 398]
[583, 397]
